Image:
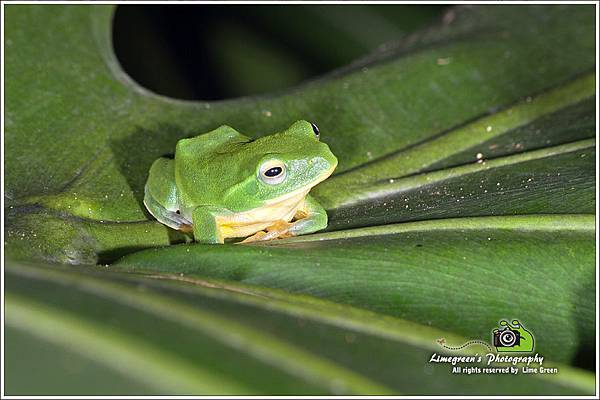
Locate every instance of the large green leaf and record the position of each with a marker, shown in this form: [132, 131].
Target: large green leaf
[465, 194]
[215, 337]
[440, 273]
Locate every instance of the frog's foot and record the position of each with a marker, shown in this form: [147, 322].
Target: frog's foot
[279, 229]
[258, 236]
[185, 228]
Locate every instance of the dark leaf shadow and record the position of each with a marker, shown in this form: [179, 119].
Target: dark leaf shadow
[583, 300]
[110, 256]
[135, 153]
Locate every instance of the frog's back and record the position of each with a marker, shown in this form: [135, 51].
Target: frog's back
[205, 163]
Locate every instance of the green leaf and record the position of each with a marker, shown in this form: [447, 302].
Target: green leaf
[178, 335]
[438, 273]
[465, 194]
[509, 131]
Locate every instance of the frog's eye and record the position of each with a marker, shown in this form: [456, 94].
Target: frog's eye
[315, 130]
[272, 172]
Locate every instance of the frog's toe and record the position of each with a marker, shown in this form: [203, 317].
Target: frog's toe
[280, 228]
[186, 228]
[258, 236]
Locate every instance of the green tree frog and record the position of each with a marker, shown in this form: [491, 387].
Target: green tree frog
[225, 185]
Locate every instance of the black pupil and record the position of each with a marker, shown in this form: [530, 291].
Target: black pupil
[315, 129]
[273, 172]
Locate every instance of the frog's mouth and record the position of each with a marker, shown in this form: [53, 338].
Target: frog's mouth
[325, 175]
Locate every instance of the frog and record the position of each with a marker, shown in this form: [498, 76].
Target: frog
[224, 185]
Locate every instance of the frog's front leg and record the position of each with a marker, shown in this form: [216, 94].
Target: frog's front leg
[160, 196]
[206, 225]
[311, 217]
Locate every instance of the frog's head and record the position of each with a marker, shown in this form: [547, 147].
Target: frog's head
[288, 162]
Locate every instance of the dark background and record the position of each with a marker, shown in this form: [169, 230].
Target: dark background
[213, 52]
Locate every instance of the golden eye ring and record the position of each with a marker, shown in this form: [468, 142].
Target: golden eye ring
[272, 172]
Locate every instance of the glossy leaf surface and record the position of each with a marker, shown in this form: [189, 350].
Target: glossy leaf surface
[465, 194]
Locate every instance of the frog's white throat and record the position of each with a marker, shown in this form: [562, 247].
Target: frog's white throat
[289, 197]
[282, 208]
